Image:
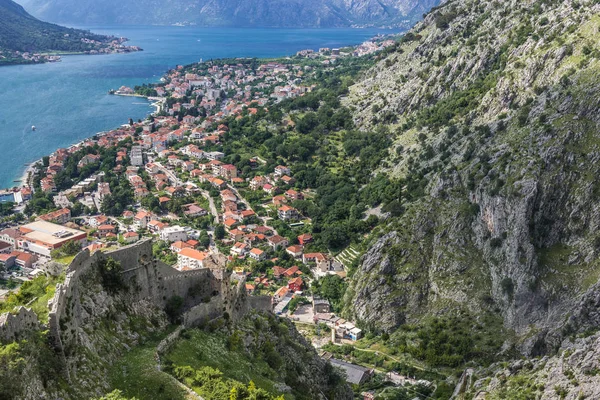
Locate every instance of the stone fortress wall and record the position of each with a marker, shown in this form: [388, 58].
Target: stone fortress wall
[208, 293]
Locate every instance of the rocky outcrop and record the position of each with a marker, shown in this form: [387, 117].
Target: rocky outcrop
[297, 365]
[15, 326]
[572, 374]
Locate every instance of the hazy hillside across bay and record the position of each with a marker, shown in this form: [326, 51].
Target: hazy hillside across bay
[238, 13]
[22, 33]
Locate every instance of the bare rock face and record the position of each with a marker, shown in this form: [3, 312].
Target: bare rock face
[376, 300]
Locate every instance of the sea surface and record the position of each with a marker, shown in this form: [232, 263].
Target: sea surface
[68, 101]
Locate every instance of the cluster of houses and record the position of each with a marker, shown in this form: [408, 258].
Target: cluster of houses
[200, 98]
[177, 154]
[370, 47]
[208, 83]
[330, 55]
[156, 163]
[27, 56]
[108, 47]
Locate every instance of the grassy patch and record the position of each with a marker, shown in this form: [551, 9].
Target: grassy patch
[136, 374]
[198, 349]
[521, 387]
[66, 260]
[34, 294]
[558, 272]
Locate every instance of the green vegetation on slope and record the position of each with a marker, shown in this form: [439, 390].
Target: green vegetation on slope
[261, 357]
[35, 294]
[136, 375]
[209, 383]
[28, 357]
[21, 32]
[199, 349]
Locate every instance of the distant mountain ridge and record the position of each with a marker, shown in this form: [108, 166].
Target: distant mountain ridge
[242, 13]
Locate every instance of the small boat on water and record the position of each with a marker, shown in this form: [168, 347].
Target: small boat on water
[33, 128]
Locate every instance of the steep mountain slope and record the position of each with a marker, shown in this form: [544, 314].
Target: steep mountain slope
[19, 31]
[494, 109]
[271, 13]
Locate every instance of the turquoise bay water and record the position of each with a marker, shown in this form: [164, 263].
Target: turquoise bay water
[68, 101]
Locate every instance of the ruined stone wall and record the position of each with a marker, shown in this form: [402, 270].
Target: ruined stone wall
[12, 325]
[233, 300]
[204, 312]
[148, 280]
[208, 294]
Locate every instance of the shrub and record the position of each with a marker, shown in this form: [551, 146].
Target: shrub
[442, 21]
[110, 272]
[507, 286]
[174, 308]
[496, 242]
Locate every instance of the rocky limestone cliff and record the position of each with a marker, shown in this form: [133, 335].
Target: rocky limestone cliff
[493, 108]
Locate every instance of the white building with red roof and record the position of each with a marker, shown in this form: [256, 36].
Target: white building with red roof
[190, 259]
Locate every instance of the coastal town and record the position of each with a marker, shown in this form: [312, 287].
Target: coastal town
[174, 179]
[95, 47]
[299, 200]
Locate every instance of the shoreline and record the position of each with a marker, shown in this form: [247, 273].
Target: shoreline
[24, 179]
[155, 102]
[50, 58]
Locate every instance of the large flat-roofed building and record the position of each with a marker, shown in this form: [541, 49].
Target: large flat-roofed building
[41, 237]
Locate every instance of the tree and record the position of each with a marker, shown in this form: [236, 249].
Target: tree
[335, 237]
[70, 248]
[115, 203]
[332, 288]
[394, 208]
[204, 239]
[6, 208]
[219, 232]
[77, 209]
[151, 203]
